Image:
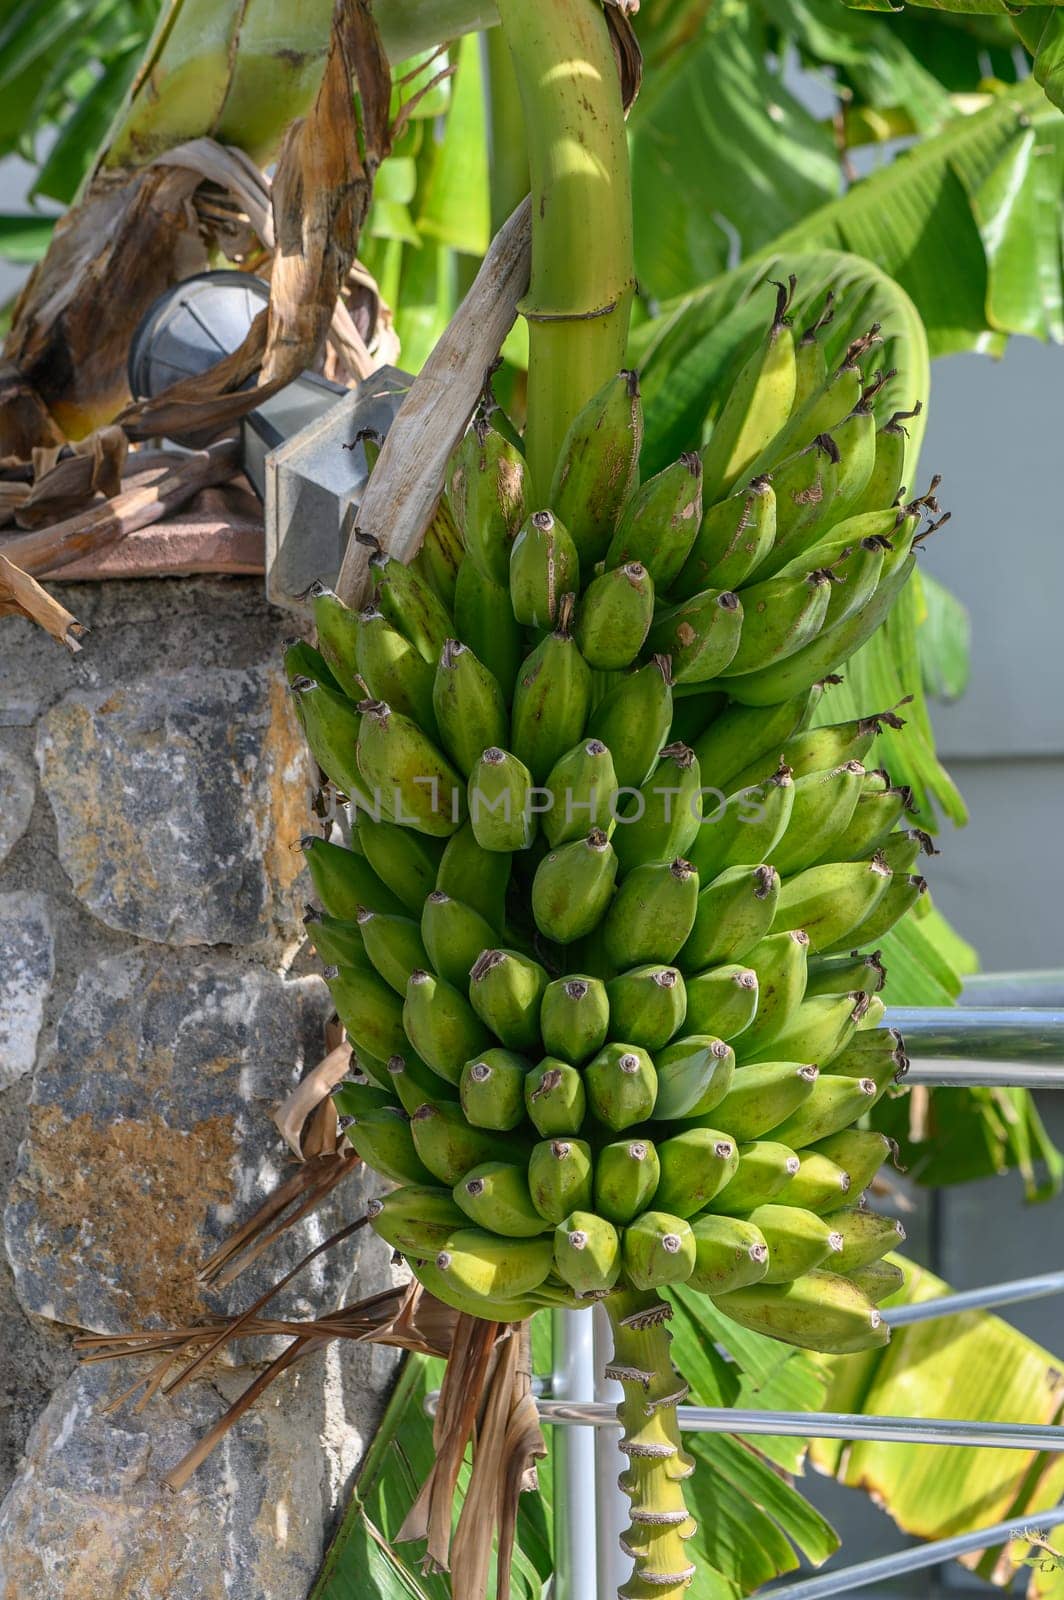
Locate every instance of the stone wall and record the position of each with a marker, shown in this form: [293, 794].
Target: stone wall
[154, 1008]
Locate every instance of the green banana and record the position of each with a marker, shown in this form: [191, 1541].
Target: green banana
[555, 1098]
[831, 901]
[441, 1025]
[834, 1103]
[453, 935]
[658, 1249]
[477, 877]
[407, 861]
[409, 603]
[337, 627]
[818, 1311]
[798, 1241]
[733, 541]
[369, 1010]
[816, 1031]
[694, 1075]
[495, 1308]
[417, 1219]
[734, 913]
[825, 408]
[393, 945]
[337, 942]
[804, 484]
[495, 1196]
[481, 1263]
[659, 522]
[757, 406]
[845, 974]
[824, 803]
[614, 616]
[332, 724]
[383, 1138]
[765, 1169]
[761, 1098]
[487, 495]
[560, 1177]
[855, 437]
[835, 743]
[739, 737]
[859, 1153]
[445, 1143]
[587, 1253]
[878, 1281]
[491, 1088]
[819, 1184]
[626, 1176]
[902, 893]
[695, 1166]
[469, 707]
[573, 886]
[407, 773]
[902, 849]
[351, 1099]
[391, 669]
[865, 1237]
[621, 1086]
[701, 636]
[781, 964]
[552, 699]
[647, 1005]
[810, 363]
[878, 1054]
[574, 1018]
[743, 826]
[505, 991]
[413, 1083]
[730, 1253]
[663, 819]
[780, 617]
[722, 1001]
[580, 789]
[885, 481]
[633, 719]
[598, 464]
[879, 810]
[500, 802]
[484, 620]
[652, 913]
[301, 660]
[544, 566]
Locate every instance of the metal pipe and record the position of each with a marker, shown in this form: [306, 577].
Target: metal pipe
[1013, 989]
[575, 1546]
[984, 1299]
[826, 1425]
[985, 1033]
[846, 1579]
[948, 1074]
[611, 1504]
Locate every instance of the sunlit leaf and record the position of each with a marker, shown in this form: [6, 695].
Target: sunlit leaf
[943, 637]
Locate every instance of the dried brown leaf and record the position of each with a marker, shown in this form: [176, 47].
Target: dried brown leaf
[307, 1097]
[63, 485]
[22, 596]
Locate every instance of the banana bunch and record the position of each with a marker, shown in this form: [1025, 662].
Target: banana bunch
[603, 941]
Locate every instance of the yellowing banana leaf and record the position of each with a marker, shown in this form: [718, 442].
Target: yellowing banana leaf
[971, 1366]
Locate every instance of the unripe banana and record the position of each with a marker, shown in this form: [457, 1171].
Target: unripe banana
[694, 1076]
[633, 719]
[722, 1001]
[816, 1031]
[332, 724]
[780, 617]
[647, 1005]
[878, 1054]
[695, 1165]
[394, 946]
[824, 802]
[878, 1281]
[573, 886]
[407, 861]
[484, 620]
[740, 736]
[487, 494]
[492, 1090]
[729, 1254]
[552, 699]
[383, 1138]
[798, 1241]
[781, 963]
[392, 669]
[626, 1176]
[901, 895]
[658, 1249]
[845, 974]
[733, 914]
[441, 1025]
[762, 1098]
[369, 1009]
[652, 913]
[587, 1253]
[581, 786]
[481, 1263]
[745, 827]
[500, 799]
[354, 1099]
[402, 767]
[337, 627]
[661, 821]
[701, 636]
[338, 943]
[301, 660]
[757, 406]
[412, 1082]
[855, 437]
[446, 1144]
[410, 605]
[493, 1308]
[902, 849]
[873, 1016]
[574, 1018]
[659, 522]
[495, 1196]
[555, 1098]
[454, 936]
[477, 877]
[417, 1219]
[733, 541]
[614, 616]
[469, 707]
[811, 371]
[818, 1185]
[856, 576]
[865, 1237]
[621, 1086]
[825, 408]
[765, 1169]
[818, 1311]
[441, 554]
[505, 990]
[885, 481]
[598, 464]
[831, 901]
[544, 566]
[560, 1177]
[804, 485]
[834, 1103]
[833, 744]
[879, 810]
[860, 1153]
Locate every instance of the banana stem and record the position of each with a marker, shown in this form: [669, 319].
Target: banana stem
[656, 1461]
[583, 271]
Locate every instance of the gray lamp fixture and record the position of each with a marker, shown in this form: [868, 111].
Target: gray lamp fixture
[301, 448]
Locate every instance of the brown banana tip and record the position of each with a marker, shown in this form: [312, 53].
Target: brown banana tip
[577, 988]
[682, 869]
[311, 914]
[631, 379]
[542, 520]
[480, 1072]
[560, 1149]
[767, 880]
[475, 1187]
[719, 1049]
[628, 1062]
[595, 747]
[746, 979]
[728, 601]
[374, 1208]
[638, 1152]
[493, 756]
[437, 897]
[680, 753]
[369, 541]
[564, 625]
[330, 972]
[693, 462]
[577, 1239]
[301, 685]
[486, 962]
[597, 840]
[671, 1242]
[827, 446]
[424, 1112]
[664, 666]
[396, 1064]
[419, 975]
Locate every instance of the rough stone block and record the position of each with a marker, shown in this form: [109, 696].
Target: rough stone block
[17, 786]
[28, 965]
